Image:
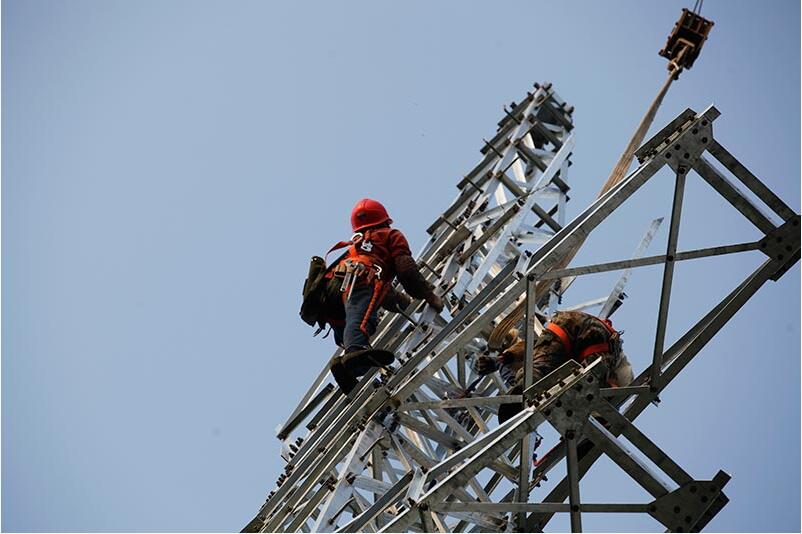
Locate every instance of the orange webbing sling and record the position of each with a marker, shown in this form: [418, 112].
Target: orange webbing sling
[587, 351]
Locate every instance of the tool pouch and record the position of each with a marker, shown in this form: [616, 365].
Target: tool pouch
[314, 293]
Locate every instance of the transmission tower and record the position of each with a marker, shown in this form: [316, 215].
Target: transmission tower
[416, 447]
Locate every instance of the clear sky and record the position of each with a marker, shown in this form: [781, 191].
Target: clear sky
[168, 168]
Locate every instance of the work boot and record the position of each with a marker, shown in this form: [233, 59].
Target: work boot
[359, 361]
[508, 411]
[345, 380]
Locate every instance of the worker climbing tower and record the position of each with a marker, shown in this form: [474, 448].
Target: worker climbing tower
[416, 447]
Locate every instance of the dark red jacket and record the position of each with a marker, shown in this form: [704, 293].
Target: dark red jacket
[389, 248]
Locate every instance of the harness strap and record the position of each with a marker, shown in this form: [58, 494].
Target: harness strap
[608, 324]
[379, 292]
[560, 332]
[593, 349]
[339, 245]
[587, 351]
[599, 347]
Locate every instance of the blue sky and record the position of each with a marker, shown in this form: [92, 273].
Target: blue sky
[169, 167]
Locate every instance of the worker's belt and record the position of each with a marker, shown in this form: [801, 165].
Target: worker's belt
[587, 351]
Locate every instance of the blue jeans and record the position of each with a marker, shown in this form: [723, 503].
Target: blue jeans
[351, 337]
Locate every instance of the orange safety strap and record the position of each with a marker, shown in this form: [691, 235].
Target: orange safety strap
[351, 242]
[598, 347]
[593, 349]
[379, 292]
[608, 324]
[338, 245]
[563, 335]
[588, 351]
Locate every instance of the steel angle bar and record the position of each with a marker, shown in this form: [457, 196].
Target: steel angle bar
[440, 450]
[631, 464]
[624, 391]
[421, 441]
[545, 217]
[455, 239]
[668, 277]
[562, 200]
[536, 239]
[458, 403]
[533, 231]
[543, 129]
[522, 172]
[477, 180]
[461, 369]
[325, 410]
[515, 187]
[402, 455]
[437, 387]
[429, 431]
[644, 444]
[416, 487]
[532, 155]
[573, 482]
[750, 180]
[487, 215]
[305, 512]
[730, 192]
[650, 260]
[305, 406]
[503, 391]
[529, 344]
[427, 521]
[586, 305]
[388, 469]
[483, 520]
[393, 495]
[507, 507]
[373, 484]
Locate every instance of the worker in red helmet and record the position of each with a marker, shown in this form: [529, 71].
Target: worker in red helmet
[376, 255]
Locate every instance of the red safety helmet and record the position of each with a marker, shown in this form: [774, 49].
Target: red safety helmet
[368, 213]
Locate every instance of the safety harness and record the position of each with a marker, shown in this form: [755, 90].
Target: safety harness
[356, 265]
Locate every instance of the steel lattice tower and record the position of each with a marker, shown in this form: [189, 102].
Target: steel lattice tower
[417, 448]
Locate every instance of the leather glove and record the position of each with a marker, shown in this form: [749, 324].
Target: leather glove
[505, 358]
[435, 302]
[402, 300]
[486, 365]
